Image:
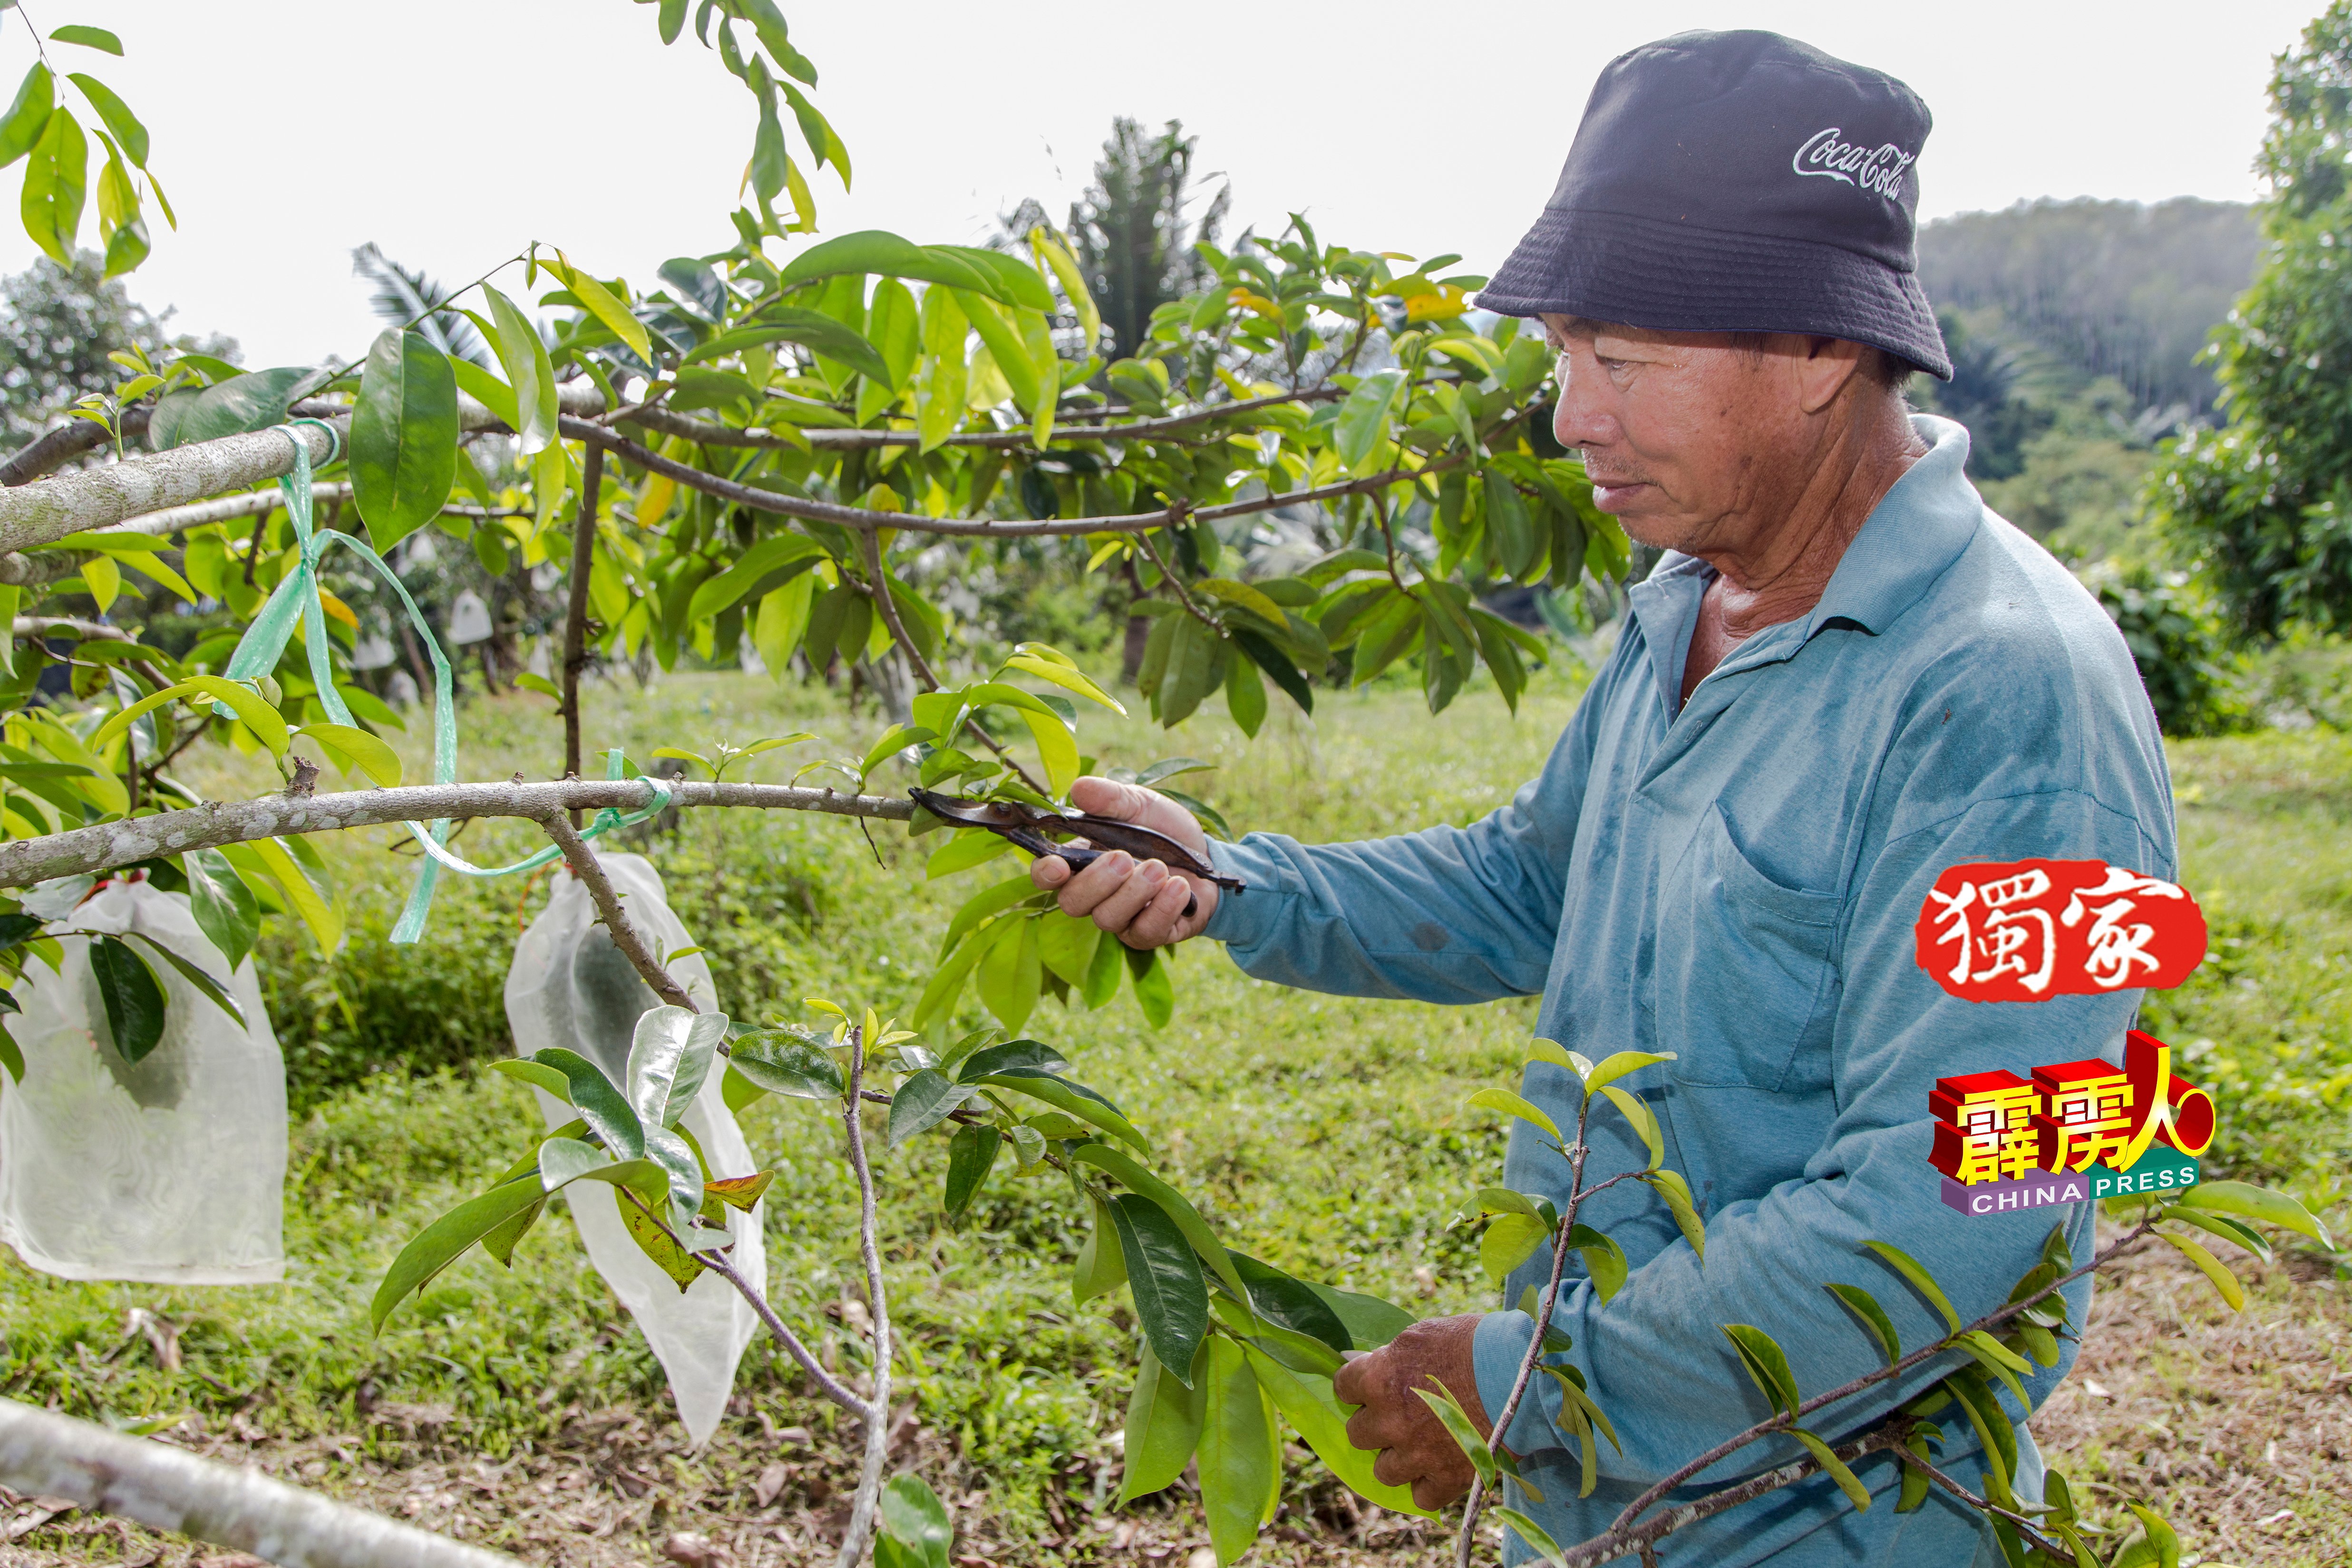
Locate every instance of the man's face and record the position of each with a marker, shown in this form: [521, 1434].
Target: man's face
[1692, 444]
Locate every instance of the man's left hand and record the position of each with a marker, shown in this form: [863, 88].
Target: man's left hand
[1416, 1450]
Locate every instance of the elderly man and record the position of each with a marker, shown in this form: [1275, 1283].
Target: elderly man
[1843, 676]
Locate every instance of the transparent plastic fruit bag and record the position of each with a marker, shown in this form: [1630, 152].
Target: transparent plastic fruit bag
[570, 986]
[168, 1168]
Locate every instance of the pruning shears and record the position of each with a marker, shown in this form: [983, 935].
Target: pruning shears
[1027, 827]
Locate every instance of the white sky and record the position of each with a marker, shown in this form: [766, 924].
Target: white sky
[453, 133]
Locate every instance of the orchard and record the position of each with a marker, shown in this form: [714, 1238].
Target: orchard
[795, 452]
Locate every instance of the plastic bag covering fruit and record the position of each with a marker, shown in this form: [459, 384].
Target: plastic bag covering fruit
[570, 986]
[170, 1170]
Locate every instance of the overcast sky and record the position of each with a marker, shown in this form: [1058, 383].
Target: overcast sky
[453, 133]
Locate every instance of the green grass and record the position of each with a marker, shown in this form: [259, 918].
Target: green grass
[1323, 1134]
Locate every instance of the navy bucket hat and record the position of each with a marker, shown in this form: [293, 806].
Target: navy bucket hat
[1735, 182]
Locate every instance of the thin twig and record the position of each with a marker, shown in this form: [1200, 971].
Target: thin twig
[625, 936]
[708, 433]
[832, 1388]
[2027, 1527]
[878, 1417]
[1167, 575]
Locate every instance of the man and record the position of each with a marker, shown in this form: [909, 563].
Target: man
[1843, 676]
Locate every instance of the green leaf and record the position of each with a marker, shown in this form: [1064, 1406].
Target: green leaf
[1239, 1463]
[876, 250]
[89, 38]
[600, 1104]
[659, 1245]
[1510, 1104]
[2252, 1202]
[1290, 1303]
[1863, 1305]
[1766, 1363]
[538, 1075]
[1370, 1323]
[403, 439]
[794, 325]
[1509, 1241]
[444, 1241]
[116, 114]
[223, 905]
[523, 355]
[1171, 1298]
[1603, 1259]
[782, 1065]
[1276, 666]
[1856, 1492]
[1610, 1068]
[971, 1154]
[132, 997]
[375, 759]
[2238, 1232]
[1065, 1096]
[56, 178]
[1457, 1425]
[1011, 972]
[1245, 695]
[1363, 420]
[1029, 661]
[211, 986]
[1638, 1112]
[1102, 1263]
[1920, 1280]
[1996, 1437]
[2163, 1545]
[914, 1517]
[1307, 1402]
[233, 405]
[2213, 1268]
[670, 1053]
[1155, 988]
[1534, 1534]
[28, 114]
[1187, 1219]
[1163, 1424]
[604, 306]
[922, 1101]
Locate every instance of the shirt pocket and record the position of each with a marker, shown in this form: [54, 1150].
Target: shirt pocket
[1744, 975]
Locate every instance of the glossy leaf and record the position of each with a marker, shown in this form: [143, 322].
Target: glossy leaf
[223, 905]
[1065, 1096]
[1767, 1364]
[608, 1114]
[971, 1154]
[782, 1065]
[2245, 1199]
[1171, 1298]
[1456, 1422]
[1835, 1467]
[375, 759]
[1919, 1279]
[524, 356]
[2213, 1268]
[538, 1075]
[1363, 418]
[1863, 1305]
[914, 1519]
[1510, 1104]
[403, 436]
[212, 987]
[1102, 1262]
[1240, 1462]
[1644, 1119]
[1163, 1423]
[1172, 1201]
[56, 178]
[1316, 1413]
[670, 1052]
[132, 996]
[605, 306]
[28, 113]
[444, 1241]
[1611, 1068]
[922, 1101]
[1509, 1241]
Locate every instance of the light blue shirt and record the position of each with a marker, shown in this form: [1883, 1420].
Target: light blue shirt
[1734, 879]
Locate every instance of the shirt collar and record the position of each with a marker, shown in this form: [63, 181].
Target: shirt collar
[1917, 529]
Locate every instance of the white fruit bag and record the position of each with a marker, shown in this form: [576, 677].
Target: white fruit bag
[170, 1170]
[570, 986]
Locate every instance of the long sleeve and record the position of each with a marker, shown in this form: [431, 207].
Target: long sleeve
[1655, 1356]
[1448, 914]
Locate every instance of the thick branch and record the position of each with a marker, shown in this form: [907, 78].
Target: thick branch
[708, 433]
[575, 612]
[61, 444]
[981, 528]
[44, 1454]
[85, 850]
[1779, 1422]
[624, 931]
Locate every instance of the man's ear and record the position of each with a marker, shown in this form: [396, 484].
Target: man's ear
[1827, 365]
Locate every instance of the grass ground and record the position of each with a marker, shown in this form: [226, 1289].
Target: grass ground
[1321, 1133]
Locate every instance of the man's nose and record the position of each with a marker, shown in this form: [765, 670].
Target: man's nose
[1578, 419]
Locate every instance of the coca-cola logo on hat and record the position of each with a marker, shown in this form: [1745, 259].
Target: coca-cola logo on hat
[1878, 169]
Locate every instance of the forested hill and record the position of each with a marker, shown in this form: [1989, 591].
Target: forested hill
[2109, 288]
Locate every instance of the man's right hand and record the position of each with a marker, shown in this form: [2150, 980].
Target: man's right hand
[1141, 902]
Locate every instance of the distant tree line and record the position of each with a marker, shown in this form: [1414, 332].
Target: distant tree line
[2113, 288]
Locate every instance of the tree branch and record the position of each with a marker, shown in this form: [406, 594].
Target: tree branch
[575, 612]
[107, 845]
[625, 935]
[61, 444]
[45, 1454]
[980, 528]
[2026, 1527]
[877, 1415]
[832, 1388]
[710, 433]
